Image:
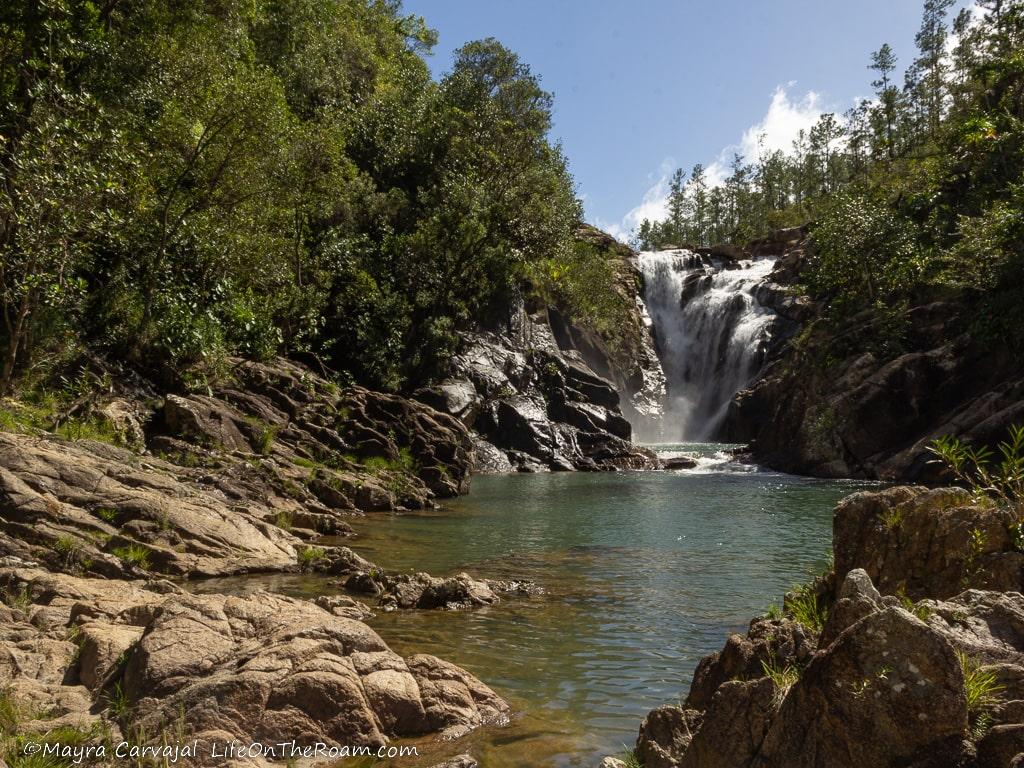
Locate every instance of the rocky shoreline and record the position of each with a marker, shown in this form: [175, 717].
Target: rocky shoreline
[909, 652]
[265, 472]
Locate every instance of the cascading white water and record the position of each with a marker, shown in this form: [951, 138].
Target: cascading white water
[711, 334]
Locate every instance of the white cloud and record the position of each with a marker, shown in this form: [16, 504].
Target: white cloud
[779, 127]
[654, 205]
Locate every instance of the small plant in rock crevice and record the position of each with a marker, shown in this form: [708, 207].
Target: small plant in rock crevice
[783, 677]
[804, 607]
[133, 554]
[308, 556]
[982, 690]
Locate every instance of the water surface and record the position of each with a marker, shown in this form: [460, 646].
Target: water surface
[644, 573]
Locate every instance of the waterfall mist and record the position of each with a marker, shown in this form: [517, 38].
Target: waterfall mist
[711, 335]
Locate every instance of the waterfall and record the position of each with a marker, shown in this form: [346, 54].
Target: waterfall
[711, 335]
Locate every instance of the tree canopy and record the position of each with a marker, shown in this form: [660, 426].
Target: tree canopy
[184, 180]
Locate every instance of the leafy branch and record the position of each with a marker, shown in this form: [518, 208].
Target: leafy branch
[983, 472]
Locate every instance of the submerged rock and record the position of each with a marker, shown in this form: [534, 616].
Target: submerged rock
[678, 462]
[423, 591]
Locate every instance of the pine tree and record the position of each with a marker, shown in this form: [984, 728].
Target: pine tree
[883, 61]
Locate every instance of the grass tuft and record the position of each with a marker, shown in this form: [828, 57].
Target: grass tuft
[983, 690]
[804, 607]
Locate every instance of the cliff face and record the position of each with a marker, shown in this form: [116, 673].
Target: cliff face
[627, 356]
[865, 400]
[542, 391]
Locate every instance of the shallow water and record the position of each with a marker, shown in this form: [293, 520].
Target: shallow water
[644, 573]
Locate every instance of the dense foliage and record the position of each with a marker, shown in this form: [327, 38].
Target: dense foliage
[916, 192]
[186, 179]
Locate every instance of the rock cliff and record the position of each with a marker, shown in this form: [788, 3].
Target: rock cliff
[543, 393]
[866, 399]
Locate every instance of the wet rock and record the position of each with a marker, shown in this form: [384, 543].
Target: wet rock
[542, 406]
[426, 592]
[678, 462]
[457, 398]
[345, 607]
[490, 459]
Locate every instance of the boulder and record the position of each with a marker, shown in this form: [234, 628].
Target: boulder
[926, 543]
[888, 691]
[665, 735]
[734, 725]
[268, 668]
[779, 642]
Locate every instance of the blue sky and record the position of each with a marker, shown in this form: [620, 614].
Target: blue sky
[643, 86]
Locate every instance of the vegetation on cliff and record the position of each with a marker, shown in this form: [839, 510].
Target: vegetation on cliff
[184, 181]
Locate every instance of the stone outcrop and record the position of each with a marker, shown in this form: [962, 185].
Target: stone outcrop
[232, 482]
[928, 543]
[260, 668]
[865, 400]
[536, 407]
[100, 509]
[543, 391]
[886, 680]
[625, 355]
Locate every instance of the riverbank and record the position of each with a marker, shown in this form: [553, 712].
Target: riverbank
[909, 651]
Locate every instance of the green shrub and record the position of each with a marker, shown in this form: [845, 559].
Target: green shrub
[980, 472]
[866, 252]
